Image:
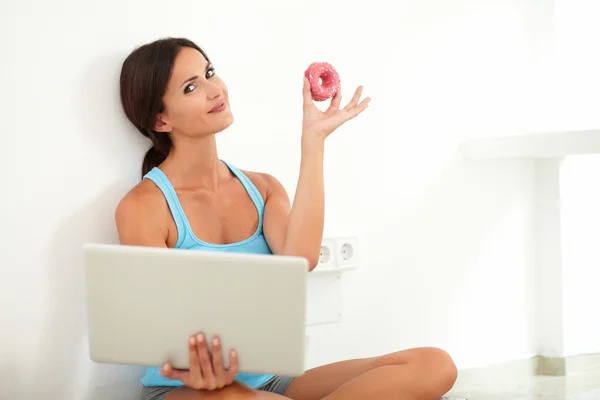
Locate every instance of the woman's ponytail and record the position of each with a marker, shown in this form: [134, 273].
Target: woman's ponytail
[161, 147]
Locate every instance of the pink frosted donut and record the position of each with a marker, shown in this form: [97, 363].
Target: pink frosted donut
[324, 80]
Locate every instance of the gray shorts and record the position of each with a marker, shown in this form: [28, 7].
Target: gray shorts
[277, 385]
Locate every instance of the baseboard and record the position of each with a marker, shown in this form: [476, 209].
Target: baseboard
[550, 366]
[520, 372]
[582, 363]
[561, 366]
[508, 374]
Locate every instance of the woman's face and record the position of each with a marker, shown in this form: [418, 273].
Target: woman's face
[196, 100]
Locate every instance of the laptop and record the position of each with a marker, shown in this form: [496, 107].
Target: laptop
[144, 303]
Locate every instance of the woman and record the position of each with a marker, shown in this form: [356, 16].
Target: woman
[189, 198]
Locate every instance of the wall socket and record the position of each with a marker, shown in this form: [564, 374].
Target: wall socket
[337, 252]
[328, 254]
[347, 251]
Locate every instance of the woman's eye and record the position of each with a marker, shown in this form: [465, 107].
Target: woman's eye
[189, 88]
[210, 72]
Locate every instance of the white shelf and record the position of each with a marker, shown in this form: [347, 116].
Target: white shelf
[535, 145]
[331, 271]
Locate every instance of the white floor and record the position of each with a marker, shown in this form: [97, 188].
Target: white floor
[577, 386]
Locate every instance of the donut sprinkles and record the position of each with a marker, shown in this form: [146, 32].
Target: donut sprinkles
[324, 80]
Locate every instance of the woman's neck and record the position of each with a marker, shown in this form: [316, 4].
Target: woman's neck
[194, 162]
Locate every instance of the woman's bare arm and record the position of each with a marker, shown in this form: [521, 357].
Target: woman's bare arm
[298, 230]
[139, 217]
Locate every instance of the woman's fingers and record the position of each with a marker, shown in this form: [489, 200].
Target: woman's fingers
[337, 99]
[359, 108]
[205, 364]
[194, 367]
[176, 374]
[217, 362]
[232, 371]
[306, 94]
[355, 99]
[193, 375]
[206, 371]
[223, 376]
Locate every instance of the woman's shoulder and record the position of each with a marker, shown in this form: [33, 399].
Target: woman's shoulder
[142, 203]
[258, 178]
[145, 194]
[264, 182]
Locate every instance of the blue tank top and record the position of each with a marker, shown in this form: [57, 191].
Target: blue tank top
[187, 240]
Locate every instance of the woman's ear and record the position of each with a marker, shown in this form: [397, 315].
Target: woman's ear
[161, 126]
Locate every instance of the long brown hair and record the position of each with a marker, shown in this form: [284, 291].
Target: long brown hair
[144, 78]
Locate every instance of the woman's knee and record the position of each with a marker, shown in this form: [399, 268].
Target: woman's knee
[440, 368]
[235, 391]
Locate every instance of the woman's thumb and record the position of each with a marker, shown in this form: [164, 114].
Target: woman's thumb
[306, 91]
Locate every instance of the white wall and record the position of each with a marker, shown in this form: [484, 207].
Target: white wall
[581, 253]
[446, 245]
[577, 82]
[577, 33]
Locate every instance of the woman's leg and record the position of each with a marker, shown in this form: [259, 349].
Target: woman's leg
[235, 391]
[416, 374]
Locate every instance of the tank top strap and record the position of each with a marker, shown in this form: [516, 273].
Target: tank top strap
[161, 180]
[250, 188]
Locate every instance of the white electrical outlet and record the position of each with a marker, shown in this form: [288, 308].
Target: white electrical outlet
[328, 254]
[347, 251]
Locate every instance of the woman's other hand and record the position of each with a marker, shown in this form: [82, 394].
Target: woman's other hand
[205, 372]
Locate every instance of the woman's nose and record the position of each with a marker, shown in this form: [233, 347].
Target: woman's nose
[213, 91]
